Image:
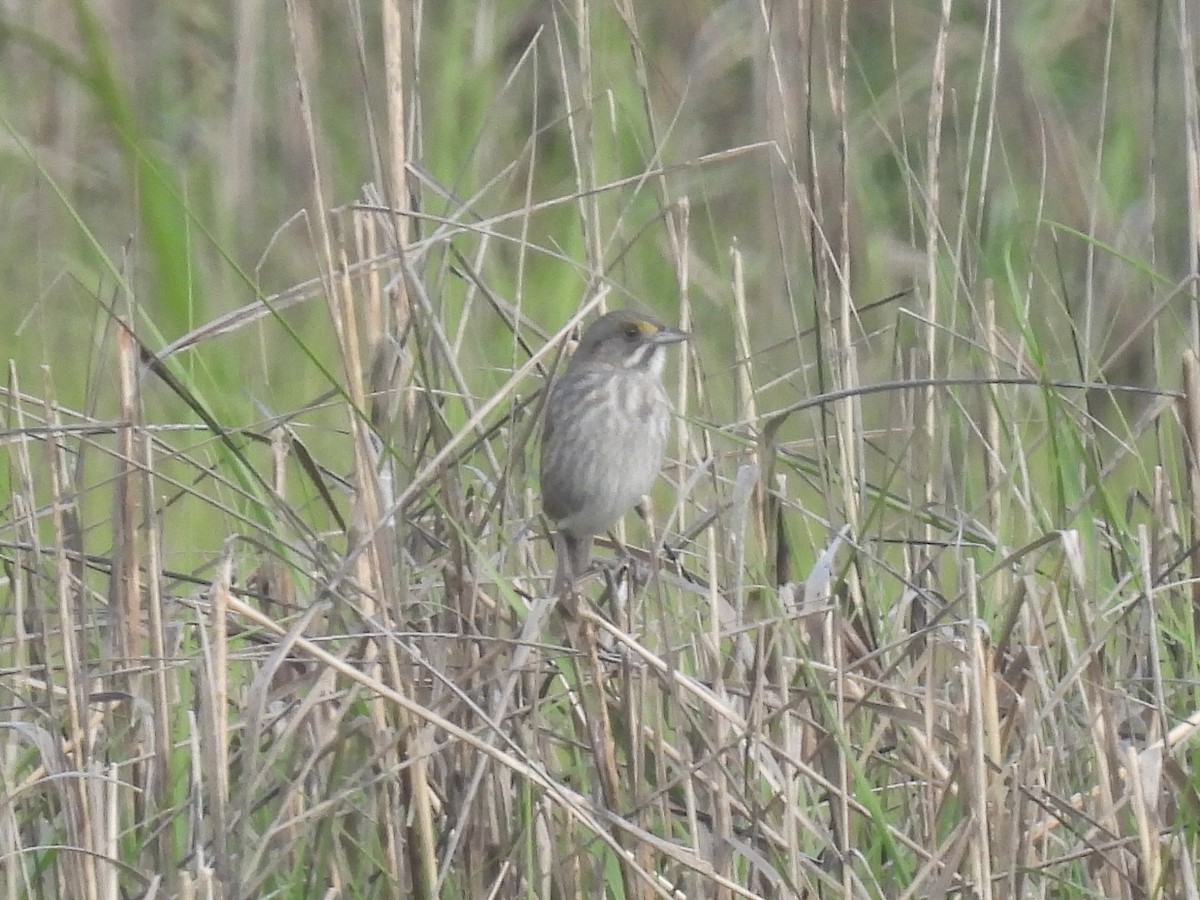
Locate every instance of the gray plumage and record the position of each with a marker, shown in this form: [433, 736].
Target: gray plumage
[605, 432]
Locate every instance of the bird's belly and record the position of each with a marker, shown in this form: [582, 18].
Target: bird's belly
[616, 473]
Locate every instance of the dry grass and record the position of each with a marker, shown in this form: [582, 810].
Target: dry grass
[913, 613]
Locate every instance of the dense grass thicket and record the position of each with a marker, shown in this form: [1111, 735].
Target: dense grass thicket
[913, 611]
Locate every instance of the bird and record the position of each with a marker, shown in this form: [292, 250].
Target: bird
[604, 433]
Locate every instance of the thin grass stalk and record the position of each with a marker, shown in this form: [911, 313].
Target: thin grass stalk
[124, 589]
[1152, 628]
[581, 126]
[214, 733]
[541, 868]
[721, 810]
[746, 408]
[792, 743]
[918, 564]
[1146, 825]
[79, 869]
[1094, 200]
[933, 147]
[976, 761]
[681, 233]
[108, 797]
[160, 850]
[1163, 360]
[198, 848]
[846, 317]
[846, 813]
[631, 701]
[993, 471]
[1189, 408]
[375, 314]
[399, 201]
[989, 74]
[1185, 29]
[14, 873]
[848, 414]
[528, 187]
[1112, 875]
[26, 560]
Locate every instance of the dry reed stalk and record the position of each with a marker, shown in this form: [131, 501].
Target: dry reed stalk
[1190, 415]
[79, 871]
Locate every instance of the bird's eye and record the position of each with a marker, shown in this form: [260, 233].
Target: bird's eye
[631, 330]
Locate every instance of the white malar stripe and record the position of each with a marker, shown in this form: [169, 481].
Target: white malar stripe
[649, 357]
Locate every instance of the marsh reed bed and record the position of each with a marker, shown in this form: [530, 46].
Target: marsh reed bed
[912, 611]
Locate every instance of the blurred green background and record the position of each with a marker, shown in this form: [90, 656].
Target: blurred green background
[1083, 126]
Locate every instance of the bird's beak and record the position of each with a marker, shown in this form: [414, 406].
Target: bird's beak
[669, 335]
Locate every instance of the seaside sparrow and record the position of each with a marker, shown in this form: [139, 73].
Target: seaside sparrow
[604, 435]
